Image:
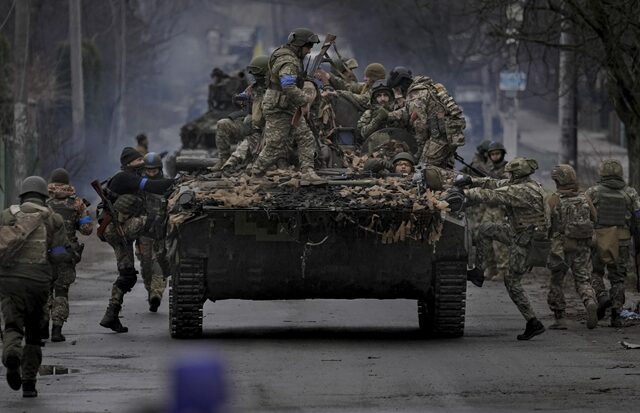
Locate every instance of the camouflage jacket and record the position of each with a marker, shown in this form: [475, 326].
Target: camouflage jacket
[570, 215]
[523, 200]
[496, 170]
[76, 216]
[603, 198]
[434, 114]
[56, 239]
[322, 119]
[371, 121]
[284, 93]
[480, 164]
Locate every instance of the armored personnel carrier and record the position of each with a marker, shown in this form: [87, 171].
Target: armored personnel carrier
[345, 237]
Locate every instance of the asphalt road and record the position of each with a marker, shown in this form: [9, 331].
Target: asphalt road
[336, 356]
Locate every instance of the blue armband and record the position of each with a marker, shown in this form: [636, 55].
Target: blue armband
[143, 182]
[85, 220]
[58, 250]
[636, 213]
[288, 80]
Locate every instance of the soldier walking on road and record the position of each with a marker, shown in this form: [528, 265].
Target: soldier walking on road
[64, 201]
[126, 190]
[25, 281]
[282, 100]
[616, 213]
[571, 232]
[523, 199]
[151, 248]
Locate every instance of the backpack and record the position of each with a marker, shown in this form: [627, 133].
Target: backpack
[14, 237]
[576, 216]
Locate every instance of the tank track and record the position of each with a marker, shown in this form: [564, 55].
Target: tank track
[442, 314]
[186, 298]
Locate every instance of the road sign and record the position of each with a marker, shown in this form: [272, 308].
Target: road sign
[513, 80]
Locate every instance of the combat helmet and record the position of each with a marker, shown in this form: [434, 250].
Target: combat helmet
[378, 87]
[60, 176]
[610, 168]
[398, 76]
[259, 66]
[564, 176]
[404, 156]
[496, 146]
[35, 184]
[152, 160]
[520, 167]
[483, 147]
[301, 36]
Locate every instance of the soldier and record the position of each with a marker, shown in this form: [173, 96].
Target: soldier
[399, 80]
[523, 199]
[64, 201]
[344, 68]
[126, 189]
[151, 249]
[480, 159]
[401, 164]
[571, 232]
[282, 100]
[358, 92]
[615, 213]
[143, 144]
[25, 281]
[237, 127]
[377, 117]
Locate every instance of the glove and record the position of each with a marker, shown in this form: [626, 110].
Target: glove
[462, 181]
[382, 114]
[456, 199]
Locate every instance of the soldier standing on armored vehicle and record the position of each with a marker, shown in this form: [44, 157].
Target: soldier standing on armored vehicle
[126, 189]
[523, 199]
[236, 128]
[399, 80]
[377, 117]
[151, 250]
[282, 102]
[571, 232]
[344, 67]
[616, 215]
[64, 201]
[25, 281]
[360, 92]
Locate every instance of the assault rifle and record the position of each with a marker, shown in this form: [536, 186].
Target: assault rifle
[471, 168]
[108, 213]
[313, 68]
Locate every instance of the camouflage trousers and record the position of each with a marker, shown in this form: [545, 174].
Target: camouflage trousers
[518, 267]
[497, 264]
[578, 260]
[280, 136]
[229, 132]
[57, 307]
[246, 151]
[125, 259]
[617, 274]
[438, 153]
[22, 301]
[153, 265]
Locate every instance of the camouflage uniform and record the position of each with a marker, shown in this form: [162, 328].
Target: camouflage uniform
[498, 262]
[437, 120]
[63, 200]
[615, 204]
[523, 199]
[229, 131]
[25, 285]
[571, 233]
[281, 100]
[381, 116]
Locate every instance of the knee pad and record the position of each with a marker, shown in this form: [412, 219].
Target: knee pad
[127, 279]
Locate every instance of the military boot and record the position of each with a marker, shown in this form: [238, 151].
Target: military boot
[29, 388]
[14, 378]
[559, 321]
[476, 276]
[56, 333]
[616, 321]
[592, 314]
[604, 302]
[534, 327]
[112, 320]
[44, 329]
[154, 303]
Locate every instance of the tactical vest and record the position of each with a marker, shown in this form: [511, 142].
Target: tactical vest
[34, 249]
[611, 207]
[155, 204]
[533, 217]
[279, 57]
[576, 217]
[66, 208]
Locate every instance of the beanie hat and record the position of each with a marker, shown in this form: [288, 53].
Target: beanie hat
[129, 154]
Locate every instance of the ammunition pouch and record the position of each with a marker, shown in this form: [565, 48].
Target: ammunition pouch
[608, 242]
[538, 249]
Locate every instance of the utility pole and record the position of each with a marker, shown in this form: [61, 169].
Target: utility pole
[567, 99]
[77, 81]
[19, 146]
